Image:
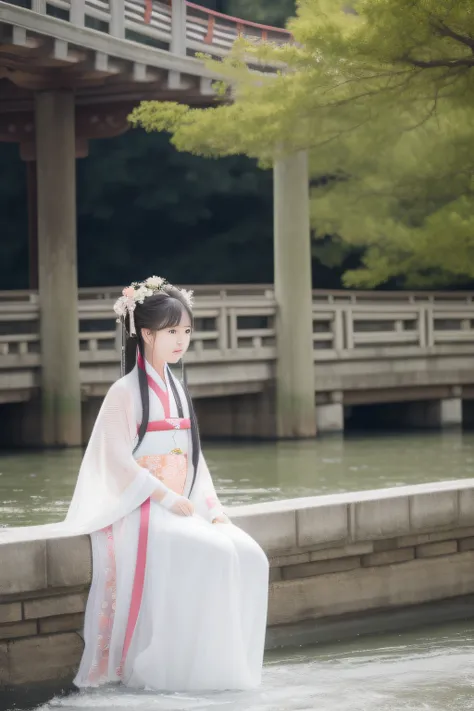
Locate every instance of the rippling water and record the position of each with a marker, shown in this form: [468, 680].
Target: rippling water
[427, 670]
[35, 487]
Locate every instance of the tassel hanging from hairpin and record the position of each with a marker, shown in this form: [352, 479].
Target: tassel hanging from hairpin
[122, 355]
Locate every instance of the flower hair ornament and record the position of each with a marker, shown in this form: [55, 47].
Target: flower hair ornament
[137, 292]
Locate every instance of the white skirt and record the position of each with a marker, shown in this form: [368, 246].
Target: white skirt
[202, 619]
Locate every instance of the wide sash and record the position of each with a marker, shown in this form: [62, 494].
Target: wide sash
[171, 423]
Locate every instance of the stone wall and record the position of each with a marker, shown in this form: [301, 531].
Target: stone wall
[333, 558]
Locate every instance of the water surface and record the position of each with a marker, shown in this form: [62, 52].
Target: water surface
[36, 487]
[424, 670]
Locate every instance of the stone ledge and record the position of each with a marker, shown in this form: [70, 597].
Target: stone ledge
[10, 612]
[47, 657]
[62, 623]
[281, 527]
[355, 625]
[434, 537]
[330, 525]
[428, 550]
[400, 584]
[433, 509]
[400, 555]
[69, 562]
[4, 665]
[18, 629]
[23, 567]
[39, 594]
[371, 515]
[53, 606]
[466, 544]
[305, 570]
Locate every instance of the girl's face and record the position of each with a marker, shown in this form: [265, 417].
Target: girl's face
[169, 344]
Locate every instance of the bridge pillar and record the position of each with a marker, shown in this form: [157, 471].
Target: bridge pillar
[295, 386]
[57, 266]
[443, 413]
[330, 415]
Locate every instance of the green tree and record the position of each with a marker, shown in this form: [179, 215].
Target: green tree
[381, 93]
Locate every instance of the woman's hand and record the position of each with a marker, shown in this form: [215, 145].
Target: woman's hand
[179, 505]
[221, 519]
[183, 507]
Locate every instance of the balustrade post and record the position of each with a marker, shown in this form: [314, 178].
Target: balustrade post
[295, 382]
[422, 327]
[223, 338]
[77, 12]
[178, 27]
[178, 38]
[39, 6]
[117, 18]
[57, 262]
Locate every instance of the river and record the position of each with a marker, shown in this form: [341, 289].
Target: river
[430, 669]
[35, 487]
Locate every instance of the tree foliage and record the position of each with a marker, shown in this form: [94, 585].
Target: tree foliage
[381, 93]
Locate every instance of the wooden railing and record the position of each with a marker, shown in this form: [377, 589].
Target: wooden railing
[237, 323]
[150, 22]
[220, 30]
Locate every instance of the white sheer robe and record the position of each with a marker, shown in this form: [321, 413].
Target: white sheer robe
[202, 618]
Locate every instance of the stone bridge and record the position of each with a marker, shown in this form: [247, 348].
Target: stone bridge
[368, 348]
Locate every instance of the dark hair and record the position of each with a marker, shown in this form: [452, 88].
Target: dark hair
[162, 310]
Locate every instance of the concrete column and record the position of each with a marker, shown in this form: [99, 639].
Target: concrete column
[57, 262]
[330, 417]
[451, 412]
[295, 391]
[435, 413]
[32, 192]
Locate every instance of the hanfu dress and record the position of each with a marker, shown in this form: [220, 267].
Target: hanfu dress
[176, 603]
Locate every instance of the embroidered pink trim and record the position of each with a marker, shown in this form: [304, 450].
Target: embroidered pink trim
[163, 396]
[99, 671]
[211, 502]
[138, 581]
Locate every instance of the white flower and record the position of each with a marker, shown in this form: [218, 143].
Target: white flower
[120, 306]
[188, 297]
[141, 294]
[154, 282]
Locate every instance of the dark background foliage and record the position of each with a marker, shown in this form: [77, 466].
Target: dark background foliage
[144, 208]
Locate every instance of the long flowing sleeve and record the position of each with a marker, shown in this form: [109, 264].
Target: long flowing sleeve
[111, 483]
[204, 495]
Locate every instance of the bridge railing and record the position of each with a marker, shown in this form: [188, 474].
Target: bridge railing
[150, 22]
[234, 325]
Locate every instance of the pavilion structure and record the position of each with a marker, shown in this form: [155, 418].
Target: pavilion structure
[70, 72]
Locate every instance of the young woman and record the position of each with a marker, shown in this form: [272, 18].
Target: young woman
[179, 594]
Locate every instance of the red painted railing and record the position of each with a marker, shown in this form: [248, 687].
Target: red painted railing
[241, 26]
